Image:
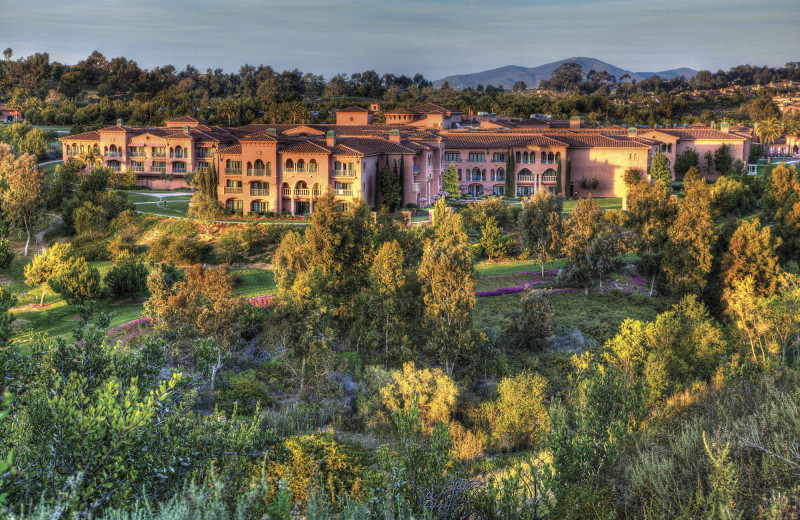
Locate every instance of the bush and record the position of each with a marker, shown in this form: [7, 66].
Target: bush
[6, 254]
[731, 196]
[436, 393]
[91, 249]
[127, 279]
[520, 413]
[178, 250]
[532, 323]
[78, 282]
[243, 391]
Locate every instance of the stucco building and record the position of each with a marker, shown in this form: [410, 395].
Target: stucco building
[287, 167]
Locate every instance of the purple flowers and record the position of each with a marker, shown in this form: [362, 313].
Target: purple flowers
[141, 321]
[521, 288]
[635, 280]
[262, 301]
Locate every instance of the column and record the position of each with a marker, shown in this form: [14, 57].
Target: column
[291, 200]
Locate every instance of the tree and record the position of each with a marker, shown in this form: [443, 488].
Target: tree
[90, 219]
[77, 282]
[510, 186]
[752, 252]
[519, 86]
[432, 391]
[568, 178]
[390, 187]
[781, 202]
[687, 254]
[532, 324]
[167, 179]
[768, 131]
[521, 415]
[708, 167]
[6, 254]
[229, 109]
[448, 288]
[540, 226]
[23, 196]
[492, 241]
[660, 169]
[592, 245]
[685, 160]
[559, 188]
[206, 210]
[206, 182]
[47, 265]
[230, 245]
[387, 282]
[650, 214]
[7, 53]
[450, 181]
[127, 278]
[723, 159]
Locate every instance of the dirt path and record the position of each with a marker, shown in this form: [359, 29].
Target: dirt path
[38, 238]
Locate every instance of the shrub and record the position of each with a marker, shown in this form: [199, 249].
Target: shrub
[436, 393]
[127, 279]
[92, 250]
[243, 391]
[6, 254]
[78, 282]
[178, 250]
[521, 415]
[731, 196]
[532, 323]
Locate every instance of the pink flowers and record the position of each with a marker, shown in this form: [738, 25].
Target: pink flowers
[521, 288]
[262, 301]
[141, 321]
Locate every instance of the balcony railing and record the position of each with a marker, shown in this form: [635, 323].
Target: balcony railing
[302, 192]
[179, 170]
[233, 171]
[160, 155]
[115, 169]
[233, 189]
[257, 172]
[159, 169]
[316, 193]
[286, 192]
[258, 192]
[343, 193]
[205, 155]
[344, 173]
[137, 154]
[289, 170]
[113, 154]
[178, 155]
[137, 168]
[548, 178]
[526, 178]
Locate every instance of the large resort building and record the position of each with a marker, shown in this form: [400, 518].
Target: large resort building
[279, 168]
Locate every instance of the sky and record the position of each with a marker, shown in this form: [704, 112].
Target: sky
[435, 37]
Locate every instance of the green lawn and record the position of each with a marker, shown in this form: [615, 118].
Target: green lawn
[257, 282]
[141, 197]
[50, 169]
[521, 266]
[603, 202]
[175, 207]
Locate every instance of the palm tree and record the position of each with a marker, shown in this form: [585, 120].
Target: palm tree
[90, 158]
[768, 131]
[33, 103]
[229, 109]
[792, 127]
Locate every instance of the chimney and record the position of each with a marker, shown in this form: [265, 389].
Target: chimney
[575, 122]
[725, 127]
[186, 128]
[394, 135]
[119, 122]
[375, 107]
[330, 138]
[632, 131]
[271, 131]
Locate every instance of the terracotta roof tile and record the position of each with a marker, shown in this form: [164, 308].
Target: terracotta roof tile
[353, 109]
[94, 135]
[306, 147]
[231, 150]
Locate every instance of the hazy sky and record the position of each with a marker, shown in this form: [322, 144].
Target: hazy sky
[435, 37]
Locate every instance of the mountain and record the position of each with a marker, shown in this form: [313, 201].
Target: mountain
[510, 74]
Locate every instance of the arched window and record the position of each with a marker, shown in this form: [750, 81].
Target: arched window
[492, 175]
[558, 156]
[249, 168]
[483, 175]
[519, 157]
[459, 174]
[96, 149]
[258, 167]
[533, 157]
[289, 165]
[476, 174]
[550, 158]
[81, 148]
[269, 168]
[544, 157]
[525, 157]
[301, 165]
[312, 165]
[501, 174]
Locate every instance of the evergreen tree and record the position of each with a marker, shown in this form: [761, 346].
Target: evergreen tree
[510, 175]
[723, 160]
[687, 158]
[688, 251]
[540, 226]
[660, 169]
[390, 188]
[781, 202]
[708, 168]
[559, 189]
[752, 252]
[401, 183]
[386, 287]
[568, 178]
[450, 181]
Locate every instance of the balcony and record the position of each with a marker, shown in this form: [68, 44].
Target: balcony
[113, 154]
[316, 193]
[137, 154]
[204, 155]
[233, 171]
[233, 190]
[343, 193]
[179, 170]
[159, 169]
[344, 173]
[179, 156]
[302, 192]
[548, 178]
[287, 192]
[289, 170]
[258, 192]
[257, 172]
[137, 168]
[526, 178]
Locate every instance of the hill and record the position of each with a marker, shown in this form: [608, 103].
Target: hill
[510, 74]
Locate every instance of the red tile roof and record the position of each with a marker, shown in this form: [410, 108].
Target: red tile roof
[353, 109]
[94, 135]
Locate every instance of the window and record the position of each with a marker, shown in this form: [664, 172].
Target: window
[501, 175]
[499, 157]
[525, 157]
[258, 206]
[137, 151]
[179, 167]
[137, 166]
[459, 174]
[476, 157]
[498, 190]
[159, 166]
[202, 166]
[233, 167]
[452, 157]
[159, 151]
[235, 205]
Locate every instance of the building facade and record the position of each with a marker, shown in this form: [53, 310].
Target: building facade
[286, 168]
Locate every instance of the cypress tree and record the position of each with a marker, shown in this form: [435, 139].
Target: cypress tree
[402, 184]
[567, 180]
[558, 178]
[509, 189]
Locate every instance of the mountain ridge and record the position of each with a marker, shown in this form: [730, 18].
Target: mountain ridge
[510, 74]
